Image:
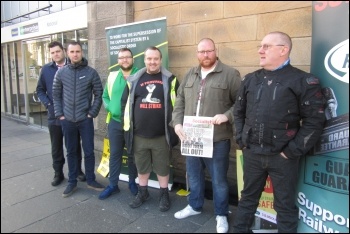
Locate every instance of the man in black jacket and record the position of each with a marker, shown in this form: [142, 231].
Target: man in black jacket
[77, 98]
[44, 92]
[279, 116]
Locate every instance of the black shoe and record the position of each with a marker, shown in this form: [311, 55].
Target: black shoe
[96, 186]
[164, 201]
[69, 190]
[141, 197]
[81, 177]
[59, 177]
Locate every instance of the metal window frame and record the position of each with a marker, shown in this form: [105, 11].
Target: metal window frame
[26, 14]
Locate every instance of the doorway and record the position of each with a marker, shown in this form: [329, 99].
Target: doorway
[36, 54]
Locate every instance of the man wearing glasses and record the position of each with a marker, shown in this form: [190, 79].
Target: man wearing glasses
[208, 90]
[279, 116]
[111, 97]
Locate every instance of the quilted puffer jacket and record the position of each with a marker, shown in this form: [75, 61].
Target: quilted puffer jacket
[77, 92]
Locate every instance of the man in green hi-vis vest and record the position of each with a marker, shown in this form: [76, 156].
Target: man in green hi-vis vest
[112, 93]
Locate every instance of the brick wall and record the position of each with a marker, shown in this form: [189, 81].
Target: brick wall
[236, 27]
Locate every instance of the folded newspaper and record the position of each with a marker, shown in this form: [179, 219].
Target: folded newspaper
[199, 136]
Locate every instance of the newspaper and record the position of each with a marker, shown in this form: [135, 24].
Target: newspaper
[199, 136]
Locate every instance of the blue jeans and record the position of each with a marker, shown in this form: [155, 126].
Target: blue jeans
[71, 131]
[217, 167]
[284, 176]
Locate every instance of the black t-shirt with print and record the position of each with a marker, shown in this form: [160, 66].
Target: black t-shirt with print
[149, 114]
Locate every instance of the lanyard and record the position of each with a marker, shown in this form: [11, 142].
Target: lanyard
[202, 82]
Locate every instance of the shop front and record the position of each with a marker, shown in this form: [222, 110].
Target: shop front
[24, 50]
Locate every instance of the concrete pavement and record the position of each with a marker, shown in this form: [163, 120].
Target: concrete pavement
[30, 204]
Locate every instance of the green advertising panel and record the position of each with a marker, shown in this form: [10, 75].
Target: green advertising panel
[323, 192]
[137, 37]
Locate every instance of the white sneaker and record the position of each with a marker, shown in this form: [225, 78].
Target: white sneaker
[187, 211]
[221, 225]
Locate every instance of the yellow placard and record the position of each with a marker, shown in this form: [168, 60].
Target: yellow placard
[103, 168]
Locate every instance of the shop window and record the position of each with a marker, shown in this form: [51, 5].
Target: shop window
[56, 6]
[15, 12]
[68, 37]
[78, 3]
[68, 4]
[44, 4]
[23, 9]
[83, 39]
[33, 5]
[5, 12]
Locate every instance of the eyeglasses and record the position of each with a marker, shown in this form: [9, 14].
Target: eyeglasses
[266, 47]
[205, 51]
[126, 57]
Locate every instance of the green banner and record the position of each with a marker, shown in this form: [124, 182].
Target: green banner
[137, 37]
[323, 192]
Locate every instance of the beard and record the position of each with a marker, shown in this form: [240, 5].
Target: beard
[207, 63]
[128, 68]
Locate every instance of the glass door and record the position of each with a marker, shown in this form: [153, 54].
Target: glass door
[13, 99]
[36, 54]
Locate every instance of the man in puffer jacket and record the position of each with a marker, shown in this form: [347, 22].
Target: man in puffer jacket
[44, 92]
[77, 97]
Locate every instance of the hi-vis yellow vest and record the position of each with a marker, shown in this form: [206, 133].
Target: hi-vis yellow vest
[110, 81]
[127, 107]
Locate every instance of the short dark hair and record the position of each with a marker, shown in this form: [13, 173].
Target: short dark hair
[74, 43]
[126, 49]
[55, 43]
[153, 48]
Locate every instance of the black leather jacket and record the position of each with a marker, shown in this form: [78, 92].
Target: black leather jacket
[279, 111]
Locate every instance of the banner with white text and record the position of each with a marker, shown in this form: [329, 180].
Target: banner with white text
[323, 192]
[137, 37]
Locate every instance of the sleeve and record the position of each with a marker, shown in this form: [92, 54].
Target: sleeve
[239, 112]
[41, 89]
[124, 100]
[97, 91]
[236, 77]
[179, 107]
[312, 115]
[105, 97]
[57, 92]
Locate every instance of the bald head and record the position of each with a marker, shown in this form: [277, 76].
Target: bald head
[283, 38]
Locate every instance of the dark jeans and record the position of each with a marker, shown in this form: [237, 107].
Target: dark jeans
[116, 147]
[217, 167]
[58, 160]
[71, 131]
[284, 176]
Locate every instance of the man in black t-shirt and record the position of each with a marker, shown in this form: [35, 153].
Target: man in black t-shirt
[152, 92]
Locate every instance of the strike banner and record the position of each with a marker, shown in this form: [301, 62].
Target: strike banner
[323, 192]
[137, 37]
